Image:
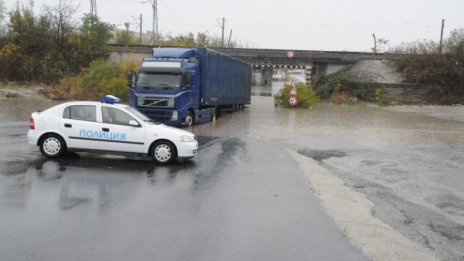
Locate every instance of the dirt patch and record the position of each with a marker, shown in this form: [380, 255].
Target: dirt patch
[17, 90]
[351, 211]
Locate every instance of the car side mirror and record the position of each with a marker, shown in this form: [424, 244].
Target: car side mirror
[134, 123]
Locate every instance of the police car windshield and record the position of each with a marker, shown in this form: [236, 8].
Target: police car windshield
[140, 115]
[157, 80]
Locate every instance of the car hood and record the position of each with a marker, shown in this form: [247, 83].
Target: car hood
[168, 130]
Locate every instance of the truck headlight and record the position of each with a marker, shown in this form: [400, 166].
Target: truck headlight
[175, 116]
[185, 138]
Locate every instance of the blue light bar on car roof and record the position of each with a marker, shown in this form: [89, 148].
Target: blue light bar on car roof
[109, 99]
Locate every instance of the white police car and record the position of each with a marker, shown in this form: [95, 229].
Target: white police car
[107, 127]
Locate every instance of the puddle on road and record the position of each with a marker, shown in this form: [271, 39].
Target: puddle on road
[321, 155]
[95, 180]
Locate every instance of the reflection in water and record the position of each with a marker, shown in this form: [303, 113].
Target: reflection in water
[100, 182]
[93, 180]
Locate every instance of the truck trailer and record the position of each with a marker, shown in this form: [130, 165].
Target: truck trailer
[187, 86]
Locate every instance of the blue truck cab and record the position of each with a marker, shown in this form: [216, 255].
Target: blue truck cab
[186, 86]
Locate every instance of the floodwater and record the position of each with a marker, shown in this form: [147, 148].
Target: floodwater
[407, 160]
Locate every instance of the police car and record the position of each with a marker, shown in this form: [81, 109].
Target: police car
[107, 127]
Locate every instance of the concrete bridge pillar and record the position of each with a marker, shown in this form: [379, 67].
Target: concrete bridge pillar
[318, 68]
[267, 76]
[262, 76]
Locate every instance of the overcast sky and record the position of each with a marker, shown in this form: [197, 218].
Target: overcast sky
[291, 24]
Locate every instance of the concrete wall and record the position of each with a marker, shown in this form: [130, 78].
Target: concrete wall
[382, 71]
[327, 68]
[335, 68]
[115, 57]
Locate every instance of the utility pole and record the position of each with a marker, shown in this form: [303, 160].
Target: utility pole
[154, 4]
[222, 26]
[441, 35]
[375, 43]
[140, 36]
[93, 7]
[230, 37]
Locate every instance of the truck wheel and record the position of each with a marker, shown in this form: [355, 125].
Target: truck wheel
[189, 119]
[52, 146]
[213, 114]
[163, 152]
[218, 112]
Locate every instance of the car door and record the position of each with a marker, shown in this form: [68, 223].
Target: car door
[79, 124]
[120, 136]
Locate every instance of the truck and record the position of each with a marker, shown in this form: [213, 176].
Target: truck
[187, 86]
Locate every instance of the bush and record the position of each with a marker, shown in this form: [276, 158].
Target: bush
[99, 79]
[11, 62]
[67, 89]
[422, 62]
[306, 97]
[334, 85]
[340, 98]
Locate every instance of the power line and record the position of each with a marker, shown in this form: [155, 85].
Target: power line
[173, 17]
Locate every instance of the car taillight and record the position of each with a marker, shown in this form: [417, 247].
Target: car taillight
[31, 123]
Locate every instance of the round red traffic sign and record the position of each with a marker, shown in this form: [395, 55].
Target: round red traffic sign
[292, 100]
[290, 54]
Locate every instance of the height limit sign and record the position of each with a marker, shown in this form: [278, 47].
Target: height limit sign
[292, 99]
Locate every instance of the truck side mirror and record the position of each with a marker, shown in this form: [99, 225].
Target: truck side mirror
[186, 80]
[131, 79]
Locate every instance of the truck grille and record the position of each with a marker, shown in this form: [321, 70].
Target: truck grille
[157, 115]
[155, 102]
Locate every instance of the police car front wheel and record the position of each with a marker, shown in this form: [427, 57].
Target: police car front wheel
[163, 152]
[52, 146]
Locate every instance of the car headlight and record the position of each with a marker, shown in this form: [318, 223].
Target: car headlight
[185, 138]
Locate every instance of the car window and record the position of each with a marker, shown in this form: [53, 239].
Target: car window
[115, 116]
[81, 112]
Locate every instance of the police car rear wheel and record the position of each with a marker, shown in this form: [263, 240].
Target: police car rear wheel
[52, 146]
[163, 152]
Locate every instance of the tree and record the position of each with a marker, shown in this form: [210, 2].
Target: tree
[380, 46]
[2, 10]
[89, 43]
[2, 16]
[421, 62]
[60, 23]
[31, 35]
[124, 37]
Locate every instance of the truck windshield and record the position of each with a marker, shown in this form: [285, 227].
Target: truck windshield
[161, 81]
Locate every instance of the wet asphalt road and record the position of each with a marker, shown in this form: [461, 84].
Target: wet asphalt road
[242, 198]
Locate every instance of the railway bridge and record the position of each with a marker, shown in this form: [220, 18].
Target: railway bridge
[266, 62]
